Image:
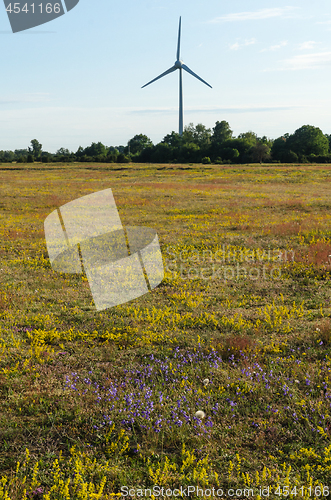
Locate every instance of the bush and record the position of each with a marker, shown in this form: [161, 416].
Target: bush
[86, 158]
[111, 157]
[290, 157]
[319, 158]
[122, 158]
[206, 160]
[30, 159]
[302, 159]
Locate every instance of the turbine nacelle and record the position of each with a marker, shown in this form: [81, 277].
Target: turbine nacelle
[178, 64]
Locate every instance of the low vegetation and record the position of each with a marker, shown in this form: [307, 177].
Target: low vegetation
[219, 378]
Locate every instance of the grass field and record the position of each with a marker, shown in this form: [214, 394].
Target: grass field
[92, 402]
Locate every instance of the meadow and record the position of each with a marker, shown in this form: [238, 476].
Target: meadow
[103, 405]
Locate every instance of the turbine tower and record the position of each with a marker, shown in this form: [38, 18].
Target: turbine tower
[181, 66]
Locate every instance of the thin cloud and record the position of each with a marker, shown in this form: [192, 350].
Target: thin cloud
[26, 98]
[216, 109]
[248, 109]
[143, 111]
[275, 47]
[308, 45]
[308, 61]
[326, 23]
[254, 15]
[238, 45]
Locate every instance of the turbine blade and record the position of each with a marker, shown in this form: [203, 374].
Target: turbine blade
[196, 76]
[178, 43]
[160, 76]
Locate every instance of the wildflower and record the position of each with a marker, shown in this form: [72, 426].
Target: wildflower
[37, 492]
[205, 382]
[200, 414]
[297, 381]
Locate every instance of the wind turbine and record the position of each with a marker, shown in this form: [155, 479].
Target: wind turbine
[181, 66]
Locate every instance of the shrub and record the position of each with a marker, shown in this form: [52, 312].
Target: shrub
[122, 158]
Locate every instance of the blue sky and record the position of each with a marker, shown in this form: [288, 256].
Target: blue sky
[78, 79]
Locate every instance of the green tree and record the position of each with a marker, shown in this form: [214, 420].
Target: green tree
[122, 158]
[7, 156]
[290, 157]
[79, 153]
[21, 155]
[138, 143]
[46, 157]
[190, 152]
[280, 149]
[260, 152]
[241, 145]
[249, 138]
[160, 153]
[63, 152]
[146, 155]
[308, 140]
[199, 135]
[202, 136]
[328, 136]
[35, 149]
[174, 140]
[221, 133]
[229, 153]
[64, 155]
[266, 141]
[188, 134]
[97, 151]
[112, 154]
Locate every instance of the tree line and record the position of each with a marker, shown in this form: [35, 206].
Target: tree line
[197, 144]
